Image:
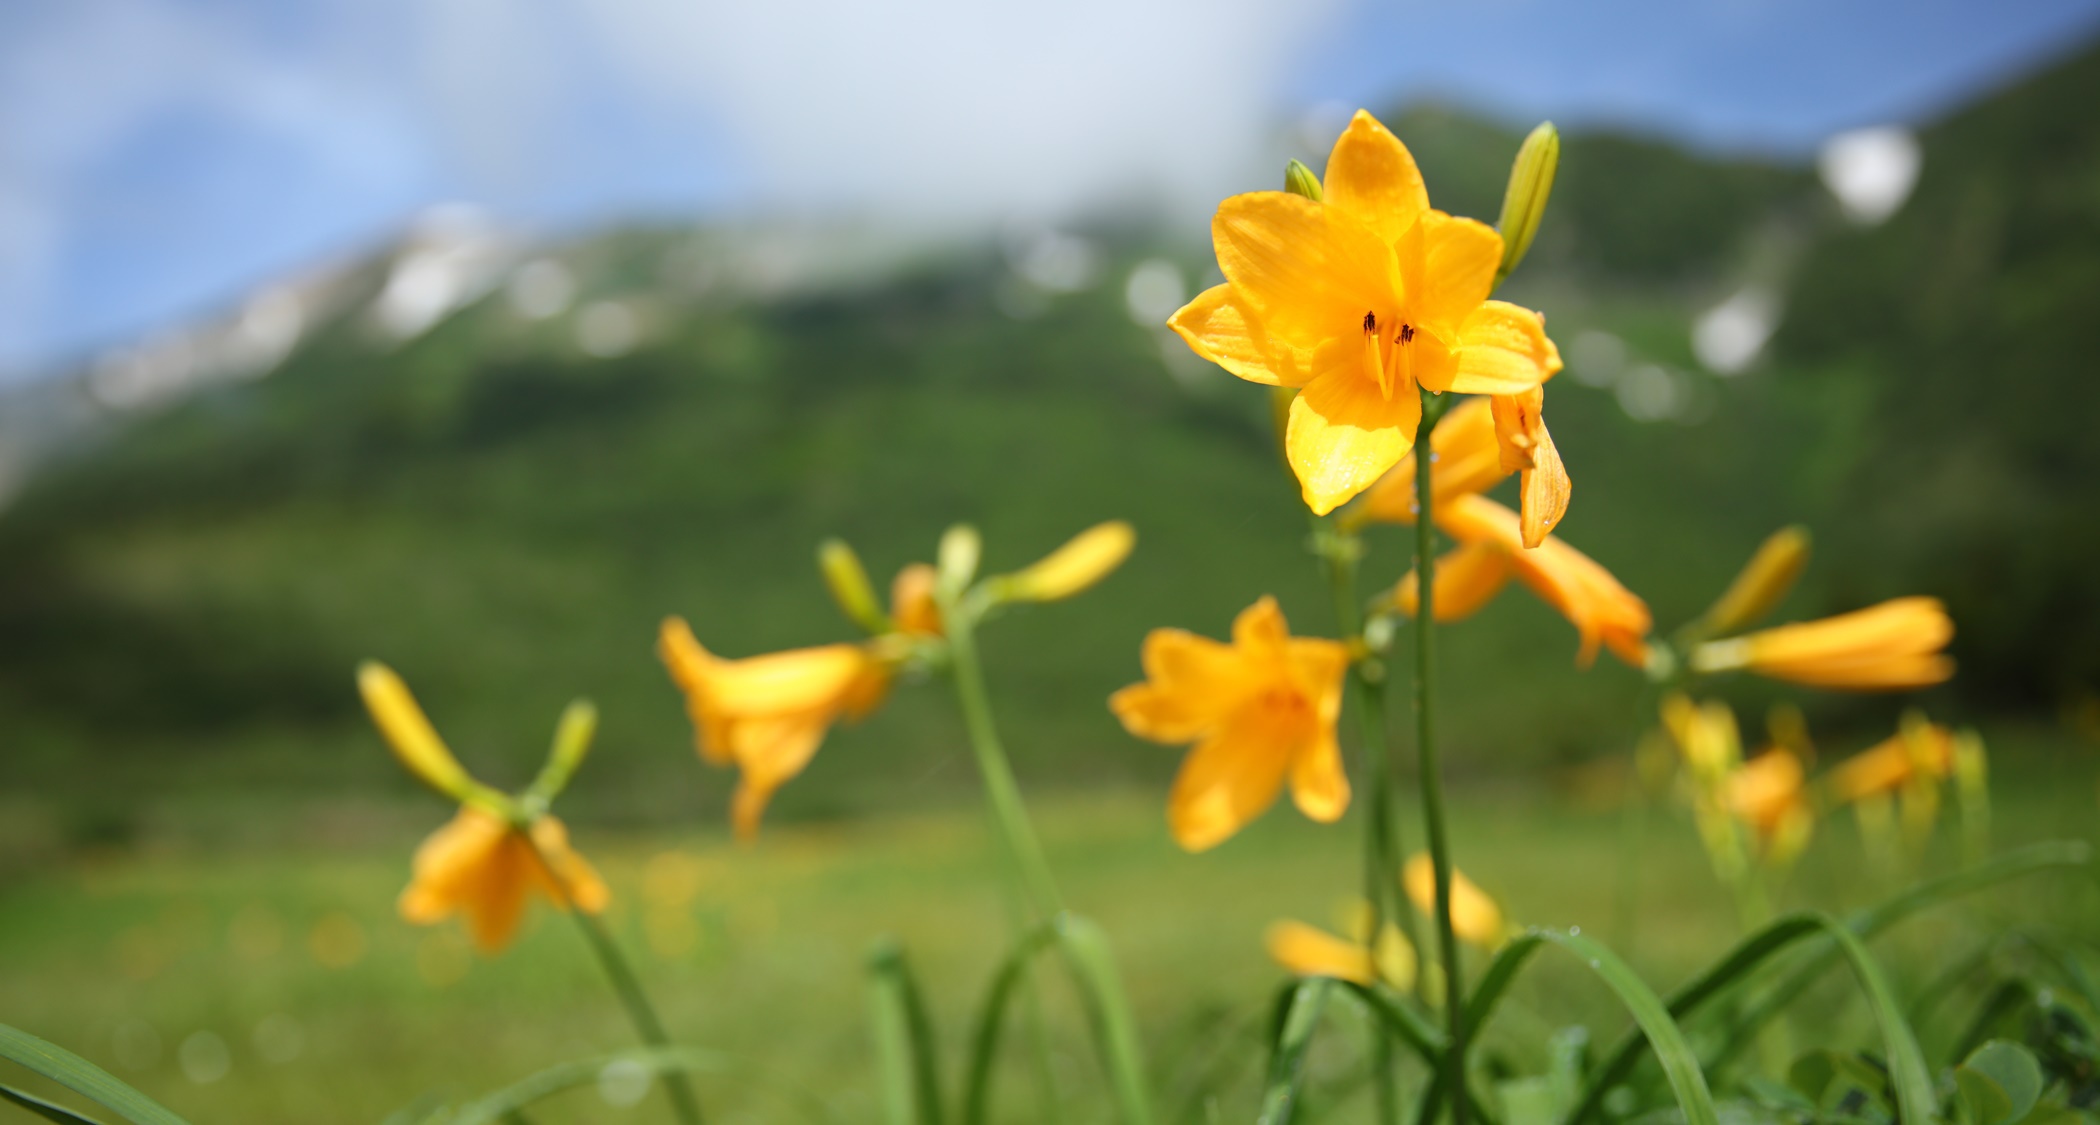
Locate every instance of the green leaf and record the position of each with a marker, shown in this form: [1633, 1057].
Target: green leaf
[1294, 1035]
[905, 1050]
[991, 1020]
[575, 1073]
[1825, 1077]
[1680, 1065]
[1756, 949]
[49, 1111]
[2001, 1081]
[1115, 1030]
[83, 1078]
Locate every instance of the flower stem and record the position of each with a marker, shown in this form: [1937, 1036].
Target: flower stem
[1426, 750]
[626, 986]
[1381, 886]
[1031, 870]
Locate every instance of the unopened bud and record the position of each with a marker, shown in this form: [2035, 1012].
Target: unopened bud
[408, 731]
[1299, 180]
[848, 582]
[957, 557]
[1524, 204]
[572, 743]
[1763, 582]
[1086, 559]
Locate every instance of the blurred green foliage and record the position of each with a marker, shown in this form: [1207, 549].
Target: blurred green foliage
[505, 520]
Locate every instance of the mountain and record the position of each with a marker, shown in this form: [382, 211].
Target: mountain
[1965, 345]
[501, 485]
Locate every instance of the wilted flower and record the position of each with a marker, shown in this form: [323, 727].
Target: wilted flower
[1358, 300]
[1260, 710]
[1889, 647]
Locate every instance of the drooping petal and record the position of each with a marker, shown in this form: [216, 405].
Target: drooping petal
[498, 902]
[448, 863]
[1344, 434]
[1447, 268]
[1544, 489]
[1467, 578]
[1502, 349]
[690, 664]
[1602, 611]
[1230, 778]
[1373, 178]
[1305, 272]
[580, 883]
[1312, 952]
[1219, 327]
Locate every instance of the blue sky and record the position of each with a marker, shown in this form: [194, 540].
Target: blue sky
[158, 158]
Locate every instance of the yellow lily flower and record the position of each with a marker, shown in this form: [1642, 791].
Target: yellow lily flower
[1309, 951]
[1889, 647]
[1491, 550]
[1358, 299]
[766, 715]
[1920, 751]
[1768, 794]
[482, 866]
[1474, 915]
[479, 864]
[1260, 709]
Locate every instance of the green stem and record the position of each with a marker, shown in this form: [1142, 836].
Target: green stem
[1031, 870]
[1426, 750]
[629, 989]
[1381, 881]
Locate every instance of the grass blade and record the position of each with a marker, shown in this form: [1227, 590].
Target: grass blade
[49, 1111]
[83, 1078]
[1115, 1031]
[1679, 1064]
[1279, 1098]
[991, 1021]
[1912, 1081]
[1867, 923]
[1479, 1007]
[904, 1039]
[502, 1104]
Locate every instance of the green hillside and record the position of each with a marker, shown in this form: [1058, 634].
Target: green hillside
[505, 519]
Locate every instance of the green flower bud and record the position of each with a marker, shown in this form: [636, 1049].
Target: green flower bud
[849, 585]
[957, 558]
[1524, 204]
[1299, 180]
[572, 742]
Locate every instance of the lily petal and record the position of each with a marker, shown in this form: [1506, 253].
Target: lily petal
[1447, 267]
[1218, 326]
[1192, 683]
[1309, 951]
[1226, 781]
[1319, 787]
[1373, 178]
[1502, 349]
[1305, 271]
[1343, 435]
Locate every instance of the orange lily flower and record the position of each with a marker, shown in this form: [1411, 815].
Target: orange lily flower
[482, 866]
[1921, 750]
[479, 864]
[1309, 951]
[1768, 793]
[1260, 709]
[1491, 550]
[766, 715]
[1474, 915]
[1889, 647]
[1358, 300]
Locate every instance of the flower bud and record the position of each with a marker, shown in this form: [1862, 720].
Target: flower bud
[572, 743]
[1299, 180]
[957, 557]
[848, 582]
[1524, 204]
[408, 731]
[1763, 582]
[1085, 560]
